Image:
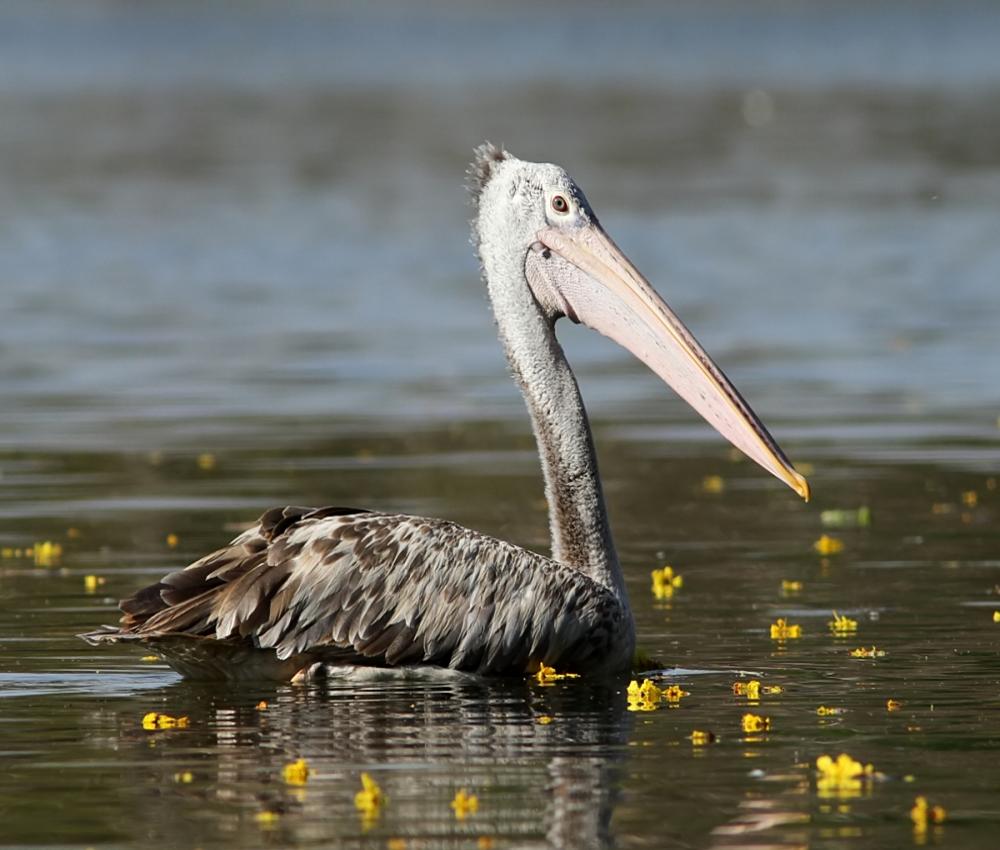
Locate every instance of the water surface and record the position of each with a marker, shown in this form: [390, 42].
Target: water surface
[235, 273]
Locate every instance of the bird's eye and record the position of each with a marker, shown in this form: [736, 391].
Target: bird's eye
[560, 204]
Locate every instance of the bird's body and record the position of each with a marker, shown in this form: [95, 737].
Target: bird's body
[346, 586]
[340, 586]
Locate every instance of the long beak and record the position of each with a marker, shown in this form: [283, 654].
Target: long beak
[613, 298]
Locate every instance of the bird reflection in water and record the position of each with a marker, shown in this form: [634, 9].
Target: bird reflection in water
[552, 783]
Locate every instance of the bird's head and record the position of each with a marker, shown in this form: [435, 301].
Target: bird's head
[537, 215]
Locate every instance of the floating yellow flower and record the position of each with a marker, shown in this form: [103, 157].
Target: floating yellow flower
[91, 583]
[267, 819]
[673, 693]
[828, 710]
[753, 723]
[783, 630]
[185, 777]
[543, 719]
[548, 675]
[700, 737]
[464, 804]
[970, 498]
[863, 652]
[46, 554]
[827, 545]
[206, 461]
[996, 616]
[923, 813]
[369, 800]
[666, 582]
[644, 697]
[713, 484]
[172, 540]
[893, 705]
[841, 778]
[842, 625]
[154, 720]
[752, 689]
[150, 658]
[262, 705]
[296, 772]
[790, 588]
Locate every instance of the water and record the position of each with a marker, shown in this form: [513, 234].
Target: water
[239, 231]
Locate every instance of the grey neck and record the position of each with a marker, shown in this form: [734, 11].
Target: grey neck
[578, 520]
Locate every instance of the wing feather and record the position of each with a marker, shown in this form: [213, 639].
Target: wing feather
[385, 589]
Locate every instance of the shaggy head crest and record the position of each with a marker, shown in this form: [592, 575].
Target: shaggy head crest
[487, 155]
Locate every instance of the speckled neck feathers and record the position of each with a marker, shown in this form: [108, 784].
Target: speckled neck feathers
[581, 536]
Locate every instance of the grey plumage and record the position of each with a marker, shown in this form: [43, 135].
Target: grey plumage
[340, 586]
[346, 586]
[487, 155]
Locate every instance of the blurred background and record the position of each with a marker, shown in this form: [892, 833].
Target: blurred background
[235, 272]
[255, 211]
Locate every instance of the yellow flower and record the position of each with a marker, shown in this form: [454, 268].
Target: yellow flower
[666, 582]
[543, 719]
[267, 819]
[893, 705]
[46, 554]
[923, 813]
[713, 484]
[262, 705]
[464, 804]
[790, 588]
[91, 583]
[970, 498]
[548, 675]
[783, 630]
[996, 616]
[206, 461]
[296, 772]
[701, 737]
[841, 778]
[644, 697]
[862, 652]
[186, 777]
[150, 658]
[369, 801]
[172, 540]
[827, 711]
[154, 720]
[842, 625]
[673, 693]
[755, 723]
[750, 690]
[827, 545]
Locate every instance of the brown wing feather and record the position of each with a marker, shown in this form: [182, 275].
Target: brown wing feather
[340, 584]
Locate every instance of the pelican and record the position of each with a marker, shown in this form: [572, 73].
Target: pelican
[346, 586]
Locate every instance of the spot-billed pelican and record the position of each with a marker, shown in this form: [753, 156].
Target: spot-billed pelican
[348, 586]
